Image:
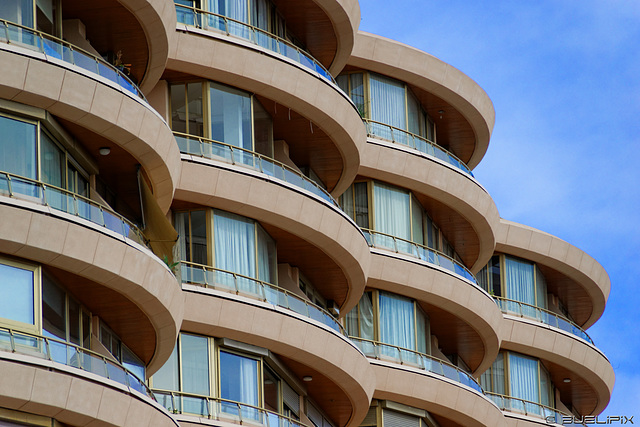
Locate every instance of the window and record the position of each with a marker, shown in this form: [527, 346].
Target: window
[19, 296]
[227, 242]
[29, 150]
[387, 101]
[522, 377]
[121, 352]
[44, 13]
[391, 319]
[221, 113]
[394, 212]
[517, 280]
[205, 367]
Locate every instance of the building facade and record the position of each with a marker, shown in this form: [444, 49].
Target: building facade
[223, 212]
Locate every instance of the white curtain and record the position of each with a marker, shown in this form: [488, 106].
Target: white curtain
[397, 325]
[235, 246]
[18, 11]
[387, 101]
[520, 285]
[231, 116]
[391, 211]
[523, 380]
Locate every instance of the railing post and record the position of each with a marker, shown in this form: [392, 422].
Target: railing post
[9, 185]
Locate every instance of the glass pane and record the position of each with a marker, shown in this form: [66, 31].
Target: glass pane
[85, 61]
[195, 364]
[238, 379]
[18, 11]
[178, 108]
[17, 294]
[167, 377]
[18, 147]
[53, 309]
[231, 116]
[235, 246]
[74, 322]
[195, 126]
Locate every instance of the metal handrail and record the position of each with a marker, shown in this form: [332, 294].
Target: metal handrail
[405, 356]
[541, 315]
[417, 142]
[216, 150]
[12, 33]
[258, 36]
[72, 355]
[66, 201]
[216, 408]
[419, 251]
[228, 281]
[527, 407]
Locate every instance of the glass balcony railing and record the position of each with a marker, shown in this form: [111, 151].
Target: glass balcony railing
[403, 356]
[547, 317]
[417, 142]
[238, 284]
[65, 201]
[219, 409]
[53, 47]
[70, 355]
[380, 240]
[210, 149]
[212, 21]
[526, 407]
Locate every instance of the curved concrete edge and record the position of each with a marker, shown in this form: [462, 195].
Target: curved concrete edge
[76, 96]
[454, 295]
[276, 79]
[345, 18]
[303, 216]
[438, 396]
[553, 252]
[456, 190]
[158, 20]
[76, 397]
[133, 272]
[322, 349]
[385, 56]
[572, 353]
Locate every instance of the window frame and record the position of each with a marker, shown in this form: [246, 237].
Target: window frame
[36, 271]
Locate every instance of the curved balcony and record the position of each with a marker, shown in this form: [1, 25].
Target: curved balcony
[218, 409]
[66, 201]
[515, 405]
[382, 351]
[464, 111]
[451, 196]
[571, 274]
[417, 142]
[71, 355]
[57, 49]
[343, 383]
[215, 278]
[385, 241]
[547, 317]
[214, 150]
[49, 377]
[210, 21]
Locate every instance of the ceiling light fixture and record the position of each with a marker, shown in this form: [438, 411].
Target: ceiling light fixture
[307, 378]
[104, 151]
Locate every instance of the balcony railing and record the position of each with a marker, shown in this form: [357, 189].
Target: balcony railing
[71, 355]
[65, 201]
[53, 47]
[526, 407]
[541, 315]
[380, 240]
[232, 27]
[210, 149]
[403, 356]
[238, 284]
[219, 409]
[417, 142]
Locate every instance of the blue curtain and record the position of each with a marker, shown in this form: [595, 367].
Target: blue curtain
[235, 245]
[397, 324]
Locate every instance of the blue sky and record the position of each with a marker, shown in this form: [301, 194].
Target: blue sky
[564, 78]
